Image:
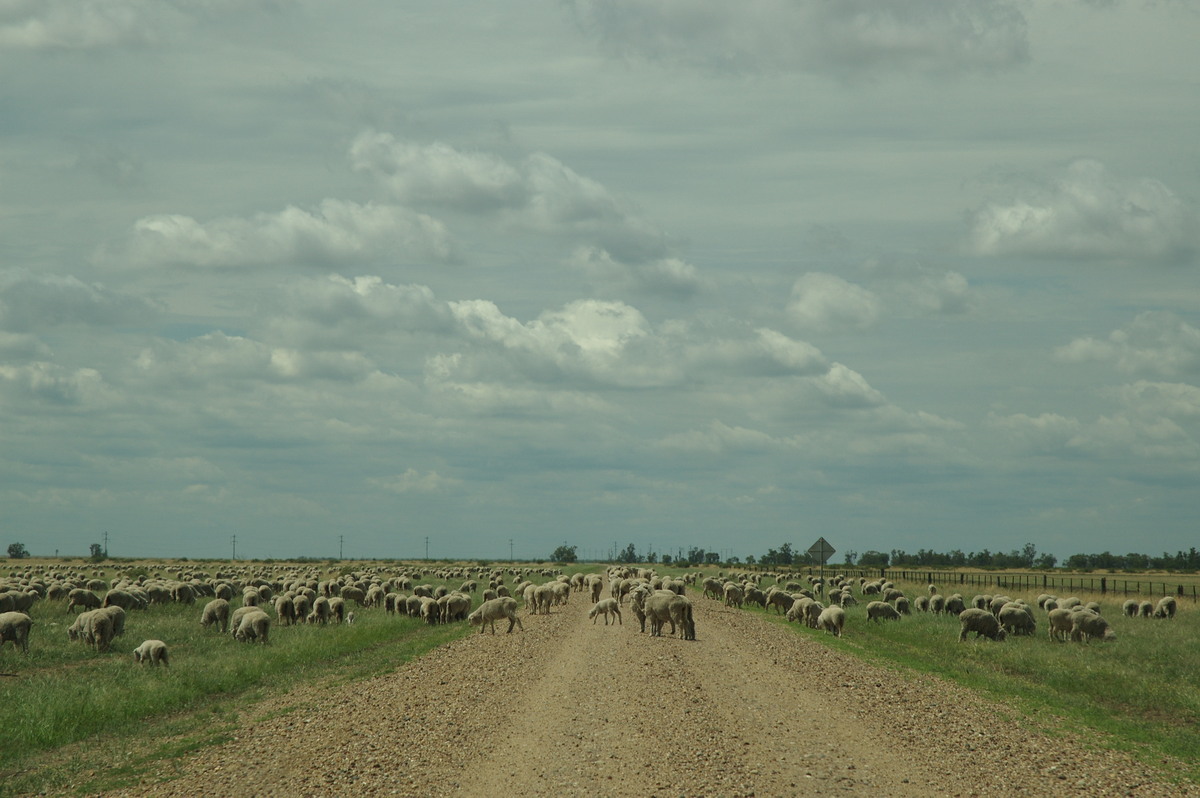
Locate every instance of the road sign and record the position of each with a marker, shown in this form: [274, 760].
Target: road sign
[821, 551]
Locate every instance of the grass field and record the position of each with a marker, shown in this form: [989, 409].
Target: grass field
[69, 712]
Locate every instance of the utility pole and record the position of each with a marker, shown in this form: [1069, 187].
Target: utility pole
[234, 539]
[510, 550]
[427, 547]
[106, 543]
[341, 538]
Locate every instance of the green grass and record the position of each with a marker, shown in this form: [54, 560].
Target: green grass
[1139, 694]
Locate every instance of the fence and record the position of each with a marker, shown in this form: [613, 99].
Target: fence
[1063, 585]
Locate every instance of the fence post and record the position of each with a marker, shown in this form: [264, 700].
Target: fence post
[1103, 585]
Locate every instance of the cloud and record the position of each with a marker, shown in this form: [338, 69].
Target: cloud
[827, 303]
[662, 276]
[413, 481]
[76, 24]
[718, 438]
[335, 232]
[1156, 342]
[851, 38]
[38, 302]
[40, 386]
[1085, 212]
[539, 194]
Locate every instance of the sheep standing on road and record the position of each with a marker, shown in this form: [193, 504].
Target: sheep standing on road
[606, 607]
[489, 612]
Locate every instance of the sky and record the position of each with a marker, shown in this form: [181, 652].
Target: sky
[285, 278]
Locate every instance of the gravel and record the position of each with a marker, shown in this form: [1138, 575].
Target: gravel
[568, 706]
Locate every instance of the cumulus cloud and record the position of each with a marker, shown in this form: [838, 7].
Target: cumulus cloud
[1156, 342]
[1086, 212]
[44, 385]
[540, 193]
[847, 39]
[36, 302]
[77, 24]
[663, 276]
[218, 359]
[767, 354]
[827, 303]
[336, 231]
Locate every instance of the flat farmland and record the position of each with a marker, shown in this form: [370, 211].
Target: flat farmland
[754, 706]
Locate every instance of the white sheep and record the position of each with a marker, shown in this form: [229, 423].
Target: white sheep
[1085, 626]
[14, 626]
[981, 622]
[254, 625]
[832, 619]
[489, 612]
[877, 610]
[1059, 623]
[216, 612]
[152, 651]
[1017, 619]
[606, 607]
[1166, 607]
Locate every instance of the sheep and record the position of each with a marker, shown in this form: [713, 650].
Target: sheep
[713, 588]
[832, 619]
[902, 605]
[94, 627]
[15, 626]
[881, 609]
[489, 612]
[606, 607]
[955, 604]
[1166, 607]
[665, 606]
[152, 651]
[349, 618]
[812, 612]
[285, 609]
[798, 611]
[1059, 623]
[321, 611]
[216, 612]
[1130, 608]
[981, 622]
[937, 604]
[82, 598]
[1017, 619]
[1146, 609]
[921, 603]
[754, 596]
[254, 625]
[1085, 626]
[782, 602]
[118, 619]
[734, 595]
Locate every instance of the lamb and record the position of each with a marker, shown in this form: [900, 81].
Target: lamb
[15, 626]
[606, 607]
[881, 609]
[254, 625]
[489, 612]
[216, 612]
[1166, 607]
[1085, 626]
[981, 622]
[832, 619]
[152, 651]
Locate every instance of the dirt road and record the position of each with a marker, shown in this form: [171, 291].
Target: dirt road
[568, 707]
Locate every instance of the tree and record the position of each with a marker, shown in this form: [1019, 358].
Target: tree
[563, 553]
[17, 551]
[873, 559]
[97, 551]
[851, 557]
[666, 559]
[628, 555]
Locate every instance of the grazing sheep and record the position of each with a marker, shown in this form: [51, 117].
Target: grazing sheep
[606, 607]
[94, 627]
[713, 588]
[1146, 609]
[1130, 608]
[216, 612]
[82, 598]
[349, 618]
[881, 609]
[1085, 626]
[1059, 623]
[285, 609]
[902, 605]
[921, 603]
[1017, 619]
[118, 619]
[1166, 607]
[254, 625]
[832, 619]
[981, 622]
[782, 602]
[152, 651]
[937, 604]
[15, 626]
[734, 595]
[1070, 602]
[489, 612]
[321, 611]
[798, 611]
[812, 613]
[955, 604]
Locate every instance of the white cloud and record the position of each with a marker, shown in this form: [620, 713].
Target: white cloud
[663, 276]
[827, 303]
[1156, 342]
[76, 24]
[336, 231]
[847, 38]
[767, 354]
[718, 438]
[1179, 401]
[41, 386]
[1085, 212]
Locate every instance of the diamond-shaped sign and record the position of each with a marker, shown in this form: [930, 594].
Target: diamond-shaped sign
[821, 551]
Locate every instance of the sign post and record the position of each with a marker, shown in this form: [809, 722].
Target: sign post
[821, 551]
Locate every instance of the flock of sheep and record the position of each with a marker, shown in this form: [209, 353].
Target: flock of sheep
[296, 596]
[993, 617]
